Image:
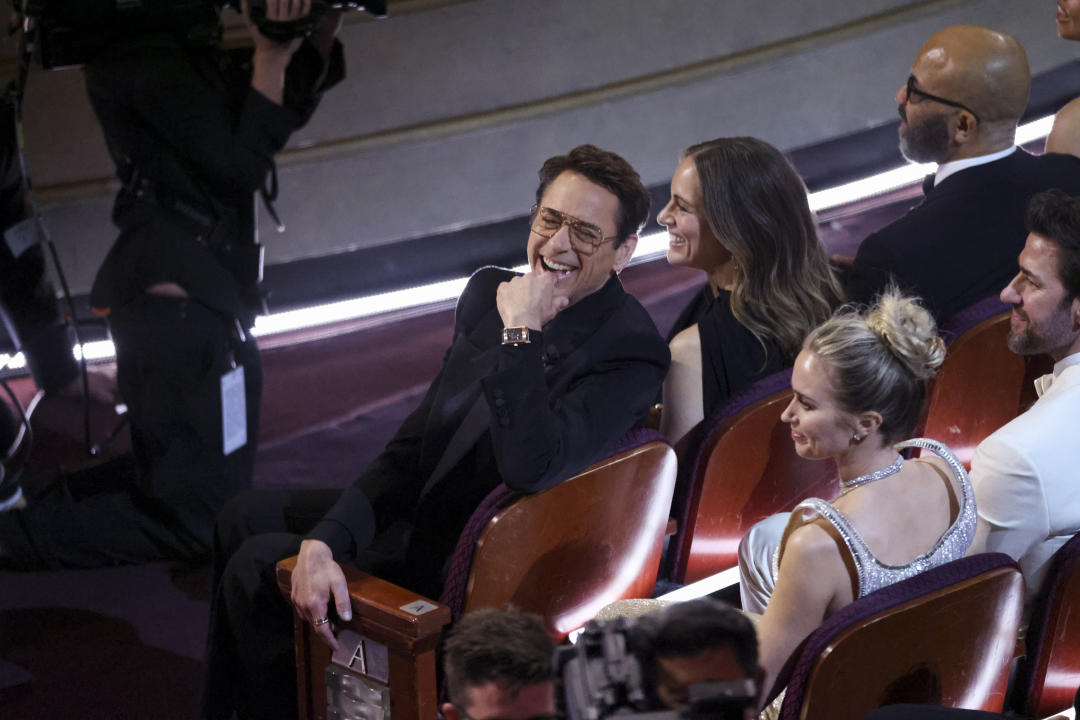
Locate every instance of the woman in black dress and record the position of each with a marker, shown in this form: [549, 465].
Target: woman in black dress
[738, 212]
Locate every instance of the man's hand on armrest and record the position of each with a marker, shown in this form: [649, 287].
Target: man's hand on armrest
[315, 579]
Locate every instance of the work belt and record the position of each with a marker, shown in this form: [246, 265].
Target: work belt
[214, 227]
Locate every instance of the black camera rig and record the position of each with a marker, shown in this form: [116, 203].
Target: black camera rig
[603, 675]
[68, 33]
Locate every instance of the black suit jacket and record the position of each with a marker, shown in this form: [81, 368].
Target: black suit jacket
[552, 406]
[961, 244]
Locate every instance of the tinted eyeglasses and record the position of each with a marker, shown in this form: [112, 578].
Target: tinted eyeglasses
[912, 90]
[585, 237]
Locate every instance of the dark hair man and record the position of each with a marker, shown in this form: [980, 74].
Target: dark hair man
[498, 665]
[193, 131]
[1024, 474]
[545, 370]
[960, 106]
[697, 641]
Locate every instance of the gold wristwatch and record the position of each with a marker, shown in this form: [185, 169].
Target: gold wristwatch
[515, 335]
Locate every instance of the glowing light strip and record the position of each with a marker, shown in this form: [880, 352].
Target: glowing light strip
[1034, 130]
[868, 187]
[12, 362]
[704, 587]
[649, 247]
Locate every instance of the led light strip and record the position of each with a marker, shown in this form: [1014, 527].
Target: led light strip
[649, 247]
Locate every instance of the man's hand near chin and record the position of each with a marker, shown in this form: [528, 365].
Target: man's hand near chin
[530, 300]
[315, 579]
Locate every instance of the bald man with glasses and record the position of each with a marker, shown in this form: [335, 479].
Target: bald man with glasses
[960, 106]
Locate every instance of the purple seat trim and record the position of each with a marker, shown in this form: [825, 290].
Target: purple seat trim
[1041, 606]
[873, 604]
[457, 577]
[691, 475]
[956, 325]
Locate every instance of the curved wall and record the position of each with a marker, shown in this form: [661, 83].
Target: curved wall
[450, 107]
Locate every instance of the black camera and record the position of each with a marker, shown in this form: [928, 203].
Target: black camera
[605, 674]
[285, 31]
[68, 33]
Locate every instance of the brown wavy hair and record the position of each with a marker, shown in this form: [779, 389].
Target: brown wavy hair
[756, 205]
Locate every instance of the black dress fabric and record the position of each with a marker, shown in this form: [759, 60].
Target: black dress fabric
[732, 359]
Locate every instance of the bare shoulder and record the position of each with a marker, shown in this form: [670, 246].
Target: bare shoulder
[687, 341]
[1065, 135]
[811, 549]
[936, 468]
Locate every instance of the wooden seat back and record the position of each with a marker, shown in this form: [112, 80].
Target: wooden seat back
[1049, 675]
[566, 552]
[946, 637]
[746, 470]
[981, 386]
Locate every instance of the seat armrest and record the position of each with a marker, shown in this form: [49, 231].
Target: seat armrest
[408, 625]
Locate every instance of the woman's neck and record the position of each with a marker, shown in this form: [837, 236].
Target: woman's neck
[863, 459]
[723, 277]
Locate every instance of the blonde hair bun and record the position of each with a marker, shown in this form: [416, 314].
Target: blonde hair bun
[908, 330]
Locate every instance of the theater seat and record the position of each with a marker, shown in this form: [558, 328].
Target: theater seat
[1049, 675]
[563, 553]
[946, 637]
[744, 470]
[566, 552]
[982, 384]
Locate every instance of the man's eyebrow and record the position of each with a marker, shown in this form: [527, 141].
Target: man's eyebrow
[1030, 275]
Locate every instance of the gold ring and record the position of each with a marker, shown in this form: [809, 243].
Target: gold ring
[323, 621]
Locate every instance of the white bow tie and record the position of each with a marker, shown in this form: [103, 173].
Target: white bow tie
[1043, 383]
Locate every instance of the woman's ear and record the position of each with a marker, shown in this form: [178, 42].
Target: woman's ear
[867, 422]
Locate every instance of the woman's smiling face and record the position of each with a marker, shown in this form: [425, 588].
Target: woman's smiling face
[691, 242]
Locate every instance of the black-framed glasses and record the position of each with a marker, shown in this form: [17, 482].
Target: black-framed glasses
[912, 90]
[467, 716]
[585, 237]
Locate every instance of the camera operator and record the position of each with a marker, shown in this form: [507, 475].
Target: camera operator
[193, 133]
[696, 659]
[697, 641]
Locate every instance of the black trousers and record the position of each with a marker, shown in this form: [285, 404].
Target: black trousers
[250, 660]
[171, 354]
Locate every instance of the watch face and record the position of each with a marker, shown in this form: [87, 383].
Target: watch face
[516, 335]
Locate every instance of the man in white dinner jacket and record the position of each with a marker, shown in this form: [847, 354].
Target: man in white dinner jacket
[1027, 474]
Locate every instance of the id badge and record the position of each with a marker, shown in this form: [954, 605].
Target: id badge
[233, 410]
[22, 236]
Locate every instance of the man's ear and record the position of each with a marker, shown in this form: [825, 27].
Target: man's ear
[624, 252]
[965, 128]
[449, 711]
[1076, 312]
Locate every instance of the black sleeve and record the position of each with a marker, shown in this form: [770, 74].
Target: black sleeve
[154, 95]
[538, 441]
[395, 477]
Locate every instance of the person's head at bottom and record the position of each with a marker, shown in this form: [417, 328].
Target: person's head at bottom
[498, 667]
[700, 649]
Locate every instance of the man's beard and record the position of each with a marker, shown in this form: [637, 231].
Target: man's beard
[1054, 334]
[927, 141]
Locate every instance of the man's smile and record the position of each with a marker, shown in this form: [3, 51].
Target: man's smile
[561, 269]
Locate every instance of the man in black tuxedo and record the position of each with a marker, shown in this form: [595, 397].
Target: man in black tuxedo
[545, 370]
[960, 106]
